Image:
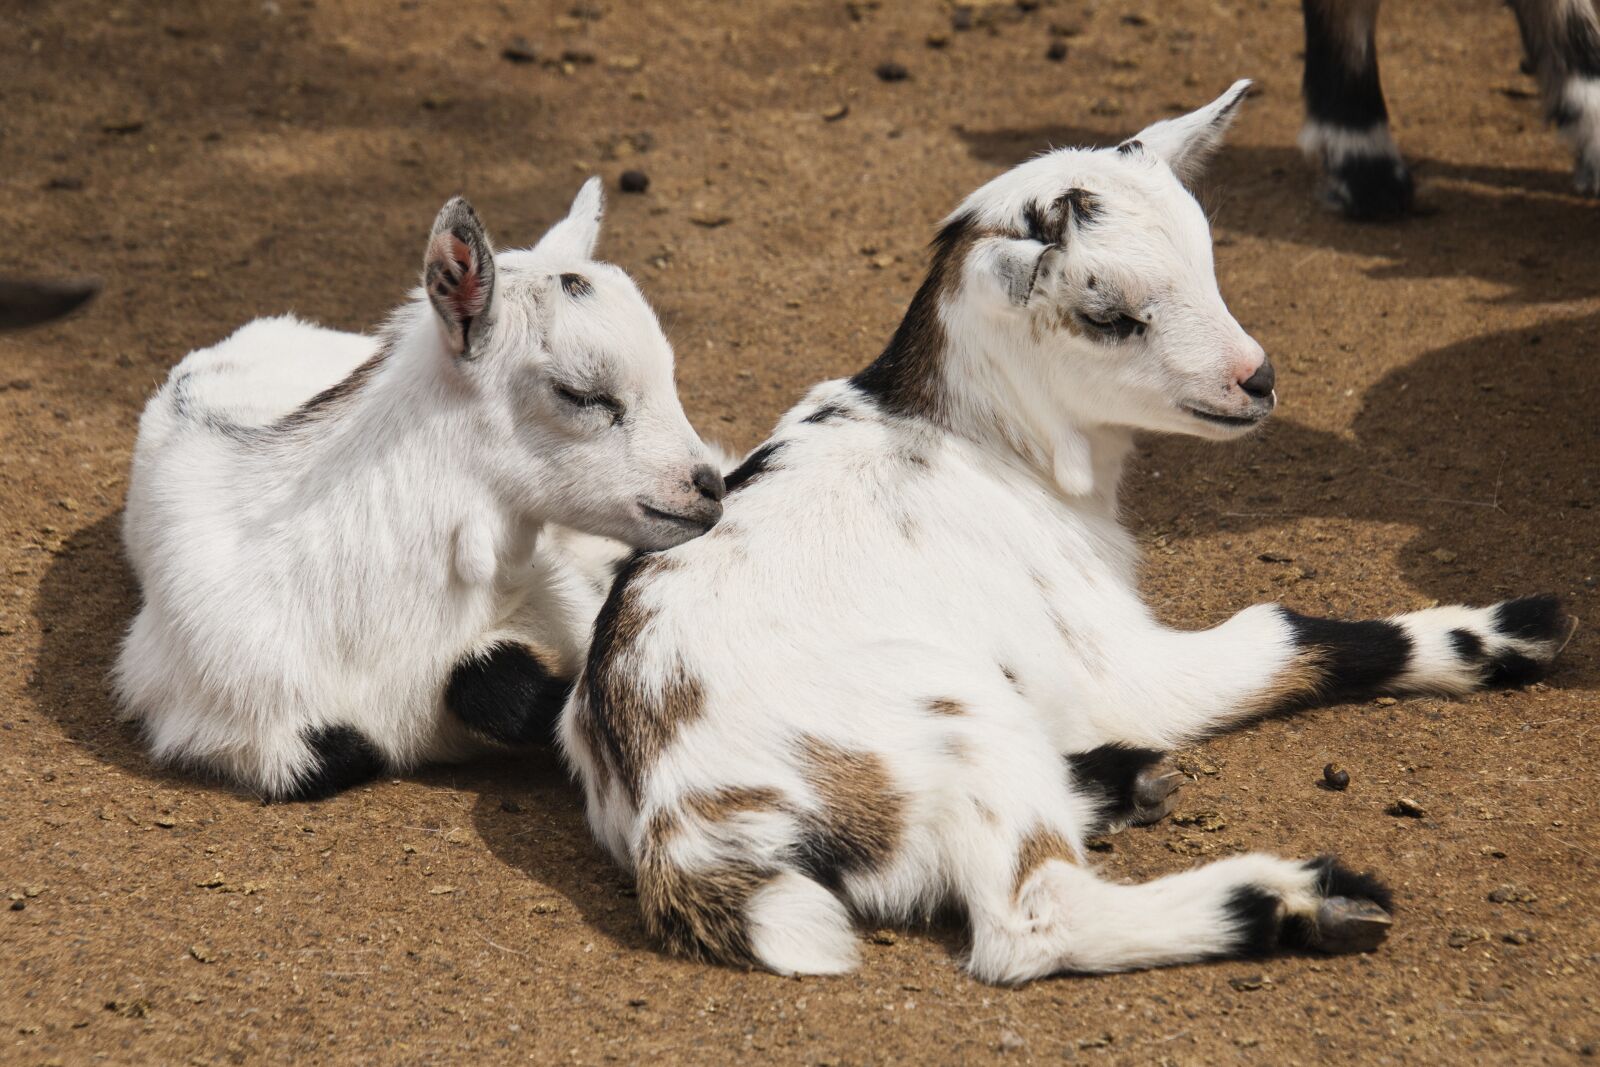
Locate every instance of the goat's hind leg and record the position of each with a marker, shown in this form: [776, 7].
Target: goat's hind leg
[508, 692]
[1347, 122]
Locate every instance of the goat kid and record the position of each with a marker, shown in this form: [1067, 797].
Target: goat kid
[854, 696]
[1347, 121]
[345, 543]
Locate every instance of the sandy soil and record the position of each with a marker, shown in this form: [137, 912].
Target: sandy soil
[1437, 441]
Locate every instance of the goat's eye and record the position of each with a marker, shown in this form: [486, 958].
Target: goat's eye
[1115, 325]
[604, 401]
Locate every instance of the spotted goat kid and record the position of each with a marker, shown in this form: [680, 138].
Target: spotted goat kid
[911, 666]
[345, 543]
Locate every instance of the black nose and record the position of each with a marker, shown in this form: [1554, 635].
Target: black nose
[709, 482]
[1259, 384]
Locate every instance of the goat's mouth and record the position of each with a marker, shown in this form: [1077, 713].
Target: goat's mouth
[1254, 417]
[696, 524]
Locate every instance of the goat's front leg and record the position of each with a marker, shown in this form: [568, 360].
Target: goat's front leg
[1269, 659]
[1562, 40]
[508, 692]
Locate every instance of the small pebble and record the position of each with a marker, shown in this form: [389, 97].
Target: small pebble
[18, 905]
[1517, 937]
[1056, 52]
[885, 937]
[1407, 808]
[937, 40]
[1250, 982]
[1510, 894]
[1336, 777]
[836, 112]
[633, 181]
[519, 50]
[892, 72]
[1011, 1041]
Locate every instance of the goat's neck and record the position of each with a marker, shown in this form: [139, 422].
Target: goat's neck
[986, 368]
[409, 449]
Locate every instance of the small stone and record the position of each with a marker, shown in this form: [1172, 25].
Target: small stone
[1461, 937]
[710, 220]
[1275, 557]
[1100, 844]
[882, 262]
[18, 905]
[937, 39]
[633, 181]
[1056, 52]
[1102, 1041]
[626, 64]
[1011, 1041]
[1386, 702]
[165, 823]
[122, 124]
[203, 953]
[885, 937]
[546, 907]
[1250, 982]
[129, 1009]
[1405, 807]
[408, 849]
[892, 72]
[519, 50]
[1443, 555]
[1336, 777]
[1517, 937]
[637, 1002]
[441, 890]
[1205, 821]
[1135, 19]
[1510, 894]
[836, 112]
[31, 891]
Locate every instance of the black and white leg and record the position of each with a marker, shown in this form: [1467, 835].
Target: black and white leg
[341, 757]
[506, 693]
[1562, 40]
[1347, 122]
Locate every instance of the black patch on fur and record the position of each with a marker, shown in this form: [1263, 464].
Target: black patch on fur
[1037, 225]
[1532, 618]
[1334, 879]
[1082, 206]
[505, 694]
[826, 858]
[1129, 147]
[327, 401]
[1468, 645]
[344, 758]
[905, 378]
[1350, 97]
[1514, 670]
[1370, 188]
[1111, 771]
[754, 466]
[1580, 44]
[576, 285]
[1256, 919]
[1358, 659]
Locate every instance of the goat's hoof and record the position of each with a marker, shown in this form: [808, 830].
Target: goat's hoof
[1154, 793]
[1370, 188]
[1350, 924]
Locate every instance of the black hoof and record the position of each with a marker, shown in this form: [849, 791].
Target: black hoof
[505, 694]
[1134, 786]
[1370, 188]
[1349, 924]
[1155, 792]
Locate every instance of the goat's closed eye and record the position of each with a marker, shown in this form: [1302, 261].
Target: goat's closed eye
[1111, 324]
[580, 399]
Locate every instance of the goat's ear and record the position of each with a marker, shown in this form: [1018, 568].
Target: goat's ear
[458, 273]
[1186, 143]
[1012, 267]
[575, 236]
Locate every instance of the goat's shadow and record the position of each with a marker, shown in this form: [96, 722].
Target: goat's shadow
[1531, 233]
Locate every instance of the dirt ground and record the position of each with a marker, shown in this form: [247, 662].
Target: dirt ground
[1437, 440]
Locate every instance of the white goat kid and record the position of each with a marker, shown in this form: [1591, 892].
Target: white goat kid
[853, 697]
[343, 541]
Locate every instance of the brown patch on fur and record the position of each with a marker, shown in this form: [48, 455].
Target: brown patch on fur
[862, 815]
[634, 721]
[1040, 847]
[1084, 649]
[326, 403]
[1291, 687]
[958, 749]
[593, 741]
[907, 378]
[1011, 678]
[720, 804]
[946, 706]
[700, 913]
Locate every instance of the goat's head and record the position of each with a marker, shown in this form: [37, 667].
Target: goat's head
[1101, 261]
[566, 359]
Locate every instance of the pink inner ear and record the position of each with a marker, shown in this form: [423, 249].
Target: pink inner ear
[464, 283]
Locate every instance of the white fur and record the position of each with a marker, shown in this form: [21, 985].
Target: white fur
[884, 565]
[330, 571]
[1580, 97]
